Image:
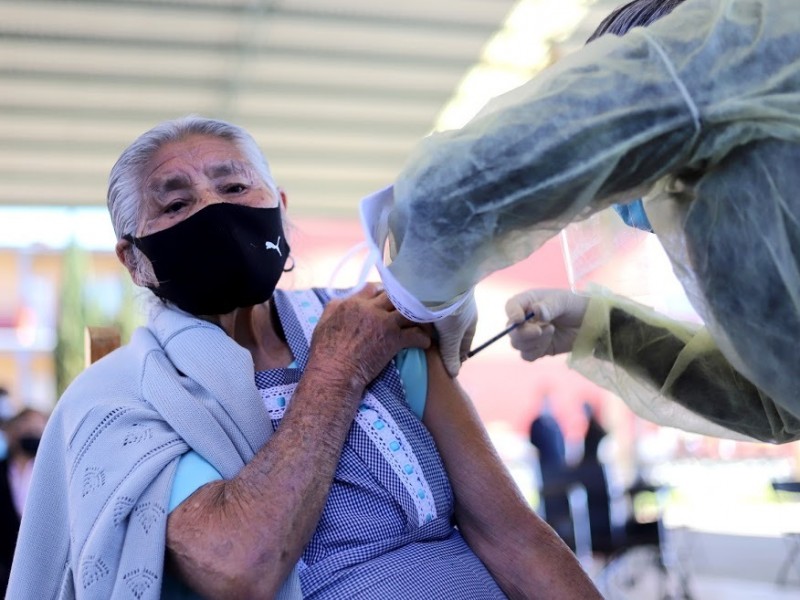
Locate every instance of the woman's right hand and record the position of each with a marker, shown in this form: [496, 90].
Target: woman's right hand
[357, 336]
[558, 317]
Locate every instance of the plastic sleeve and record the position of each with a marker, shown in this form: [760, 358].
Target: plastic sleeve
[600, 126]
[672, 373]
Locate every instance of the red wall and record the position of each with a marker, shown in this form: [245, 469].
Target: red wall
[503, 387]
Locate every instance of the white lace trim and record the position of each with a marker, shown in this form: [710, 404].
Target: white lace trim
[277, 399]
[308, 308]
[375, 420]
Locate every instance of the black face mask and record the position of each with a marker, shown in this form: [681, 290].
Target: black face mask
[29, 444]
[223, 257]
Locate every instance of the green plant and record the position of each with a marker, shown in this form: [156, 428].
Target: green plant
[69, 351]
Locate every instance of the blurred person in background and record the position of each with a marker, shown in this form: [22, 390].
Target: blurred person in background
[547, 437]
[6, 412]
[593, 436]
[603, 495]
[255, 442]
[23, 433]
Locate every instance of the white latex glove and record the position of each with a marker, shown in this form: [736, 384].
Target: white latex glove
[455, 335]
[559, 314]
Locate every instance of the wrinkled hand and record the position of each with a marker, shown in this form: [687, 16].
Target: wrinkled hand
[559, 314]
[455, 335]
[356, 337]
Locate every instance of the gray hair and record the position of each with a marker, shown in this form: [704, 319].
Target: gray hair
[639, 13]
[124, 198]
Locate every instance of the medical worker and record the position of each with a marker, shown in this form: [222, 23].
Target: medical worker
[699, 114]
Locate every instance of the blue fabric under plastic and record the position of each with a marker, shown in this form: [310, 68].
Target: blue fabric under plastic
[634, 216]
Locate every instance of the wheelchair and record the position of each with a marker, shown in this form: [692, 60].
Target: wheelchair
[628, 559]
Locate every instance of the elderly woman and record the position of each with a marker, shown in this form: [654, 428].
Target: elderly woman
[253, 443]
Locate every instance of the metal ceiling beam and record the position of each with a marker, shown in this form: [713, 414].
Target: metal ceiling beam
[29, 57]
[452, 16]
[382, 56]
[155, 114]
[335, 91]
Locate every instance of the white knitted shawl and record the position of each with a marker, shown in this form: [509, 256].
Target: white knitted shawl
[95, 522]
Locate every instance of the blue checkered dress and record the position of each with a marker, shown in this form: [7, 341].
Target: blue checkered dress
[386, 530]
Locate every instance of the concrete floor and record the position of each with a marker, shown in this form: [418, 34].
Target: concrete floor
[714, 588]
[640, 583]
[702, 566]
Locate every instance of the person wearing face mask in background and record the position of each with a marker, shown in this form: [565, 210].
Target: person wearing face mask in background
[6, 412]
[23, 432]
[254, 442]
[698, 114]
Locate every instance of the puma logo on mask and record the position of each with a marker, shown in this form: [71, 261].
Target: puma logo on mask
[271, 246]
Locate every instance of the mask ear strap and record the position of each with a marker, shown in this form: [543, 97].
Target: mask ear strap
[290, 268]
[370, 261]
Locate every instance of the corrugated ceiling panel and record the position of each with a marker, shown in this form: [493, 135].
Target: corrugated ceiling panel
[336, 93]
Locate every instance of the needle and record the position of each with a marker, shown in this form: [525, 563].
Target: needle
[505, 331]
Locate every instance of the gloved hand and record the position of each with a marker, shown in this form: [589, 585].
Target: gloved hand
[455, 335]
[559, 314]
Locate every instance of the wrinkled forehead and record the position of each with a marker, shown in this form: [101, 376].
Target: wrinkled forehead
[181, 177]
[176, 163]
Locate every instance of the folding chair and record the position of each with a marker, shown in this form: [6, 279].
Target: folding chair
[99, 341]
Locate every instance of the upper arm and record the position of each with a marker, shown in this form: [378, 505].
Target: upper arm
[459, 433]
[192, 473]
[445, 399]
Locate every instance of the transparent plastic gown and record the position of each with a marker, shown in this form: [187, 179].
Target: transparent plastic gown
[699, 113]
